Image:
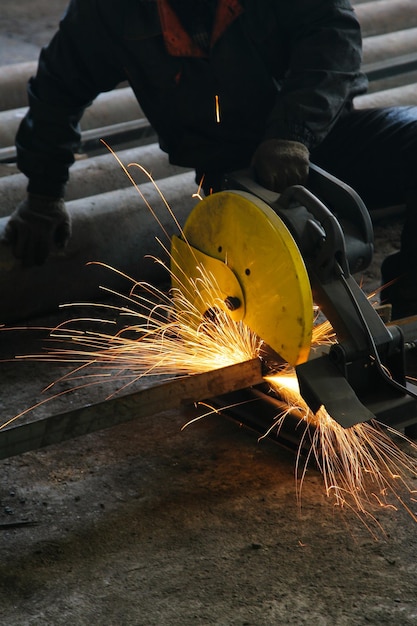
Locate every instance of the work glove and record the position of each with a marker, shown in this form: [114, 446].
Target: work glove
[38, 225]
[278, 164]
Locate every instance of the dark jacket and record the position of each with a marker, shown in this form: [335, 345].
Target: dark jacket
[279, 68]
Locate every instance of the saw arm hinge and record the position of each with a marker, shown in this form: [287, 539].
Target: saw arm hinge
[357, 387]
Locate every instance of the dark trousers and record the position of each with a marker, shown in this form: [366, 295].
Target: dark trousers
[375, 152]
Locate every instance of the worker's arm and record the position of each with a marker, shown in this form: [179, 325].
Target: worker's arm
[323, 74]
[77, 65]
[322, 78]
[73, 69]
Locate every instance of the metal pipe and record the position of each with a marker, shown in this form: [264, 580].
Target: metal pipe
[399, 96]
[376, 17]
[126, 134]
[14, 77]
[101, 173]
[109, 108]
[389, 45]
[390, 60]
[13, 80]
[116, 228]
[392, 82]
[383, 16]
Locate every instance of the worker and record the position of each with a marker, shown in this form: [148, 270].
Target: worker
[226, 84]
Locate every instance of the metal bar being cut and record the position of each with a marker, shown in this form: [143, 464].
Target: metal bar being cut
[173, 394]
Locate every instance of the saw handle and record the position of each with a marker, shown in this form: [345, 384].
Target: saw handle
[316, 230]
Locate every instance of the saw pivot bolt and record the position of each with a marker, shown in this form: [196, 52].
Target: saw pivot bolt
[232, 303]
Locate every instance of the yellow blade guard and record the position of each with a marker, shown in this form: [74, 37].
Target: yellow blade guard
[254, 269]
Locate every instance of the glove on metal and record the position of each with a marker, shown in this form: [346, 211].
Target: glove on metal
[37, 226]
[278, 164]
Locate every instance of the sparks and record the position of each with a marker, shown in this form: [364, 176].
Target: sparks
[217, 108]
[165, 334]
[360, 465]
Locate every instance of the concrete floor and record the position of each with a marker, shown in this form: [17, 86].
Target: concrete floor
[148, 525]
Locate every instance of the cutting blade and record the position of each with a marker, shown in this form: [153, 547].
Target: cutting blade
[236, 253]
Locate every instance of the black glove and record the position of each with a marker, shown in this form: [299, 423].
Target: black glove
[38, 225]
[279, 164]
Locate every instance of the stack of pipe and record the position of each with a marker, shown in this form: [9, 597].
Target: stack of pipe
[112, 223]
[389, 29]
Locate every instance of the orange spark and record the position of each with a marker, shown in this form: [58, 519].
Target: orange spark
[217, 108]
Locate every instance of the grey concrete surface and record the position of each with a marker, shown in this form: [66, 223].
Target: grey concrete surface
[150, 525]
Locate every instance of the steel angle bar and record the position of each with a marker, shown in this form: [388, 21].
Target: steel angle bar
[174, 394]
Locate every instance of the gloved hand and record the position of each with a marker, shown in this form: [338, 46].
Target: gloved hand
[278, 164]
[38, 225]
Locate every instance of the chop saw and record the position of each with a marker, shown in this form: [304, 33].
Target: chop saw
[272, 258]
[275, 256]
